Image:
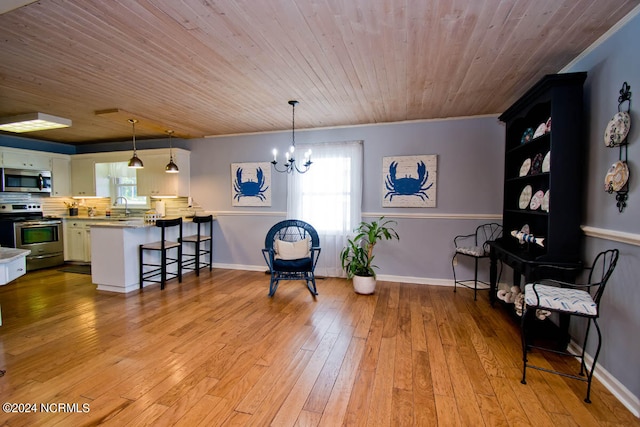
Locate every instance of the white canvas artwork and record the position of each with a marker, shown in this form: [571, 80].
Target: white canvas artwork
[251, 184]
[409, 181]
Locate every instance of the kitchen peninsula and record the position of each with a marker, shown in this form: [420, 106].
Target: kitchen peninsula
[114, 251]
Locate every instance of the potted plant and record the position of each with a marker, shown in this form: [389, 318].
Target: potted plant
[357, 256]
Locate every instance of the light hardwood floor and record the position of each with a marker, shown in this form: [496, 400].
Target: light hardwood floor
[216, 350]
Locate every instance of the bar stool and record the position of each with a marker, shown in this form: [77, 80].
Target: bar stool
[163, 246]
[192, 261]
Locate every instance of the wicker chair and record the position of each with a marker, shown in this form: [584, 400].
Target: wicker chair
[291, 251]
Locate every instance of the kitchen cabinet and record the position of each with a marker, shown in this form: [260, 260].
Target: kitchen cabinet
[83, 180]
[25, 159]
[60, 177]
[77, 240]
[153, 181]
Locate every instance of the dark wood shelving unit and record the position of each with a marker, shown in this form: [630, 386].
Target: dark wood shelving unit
[558, 98]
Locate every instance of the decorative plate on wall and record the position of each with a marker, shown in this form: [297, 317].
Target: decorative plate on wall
[525, 197]
[616, 177]
[617, 129]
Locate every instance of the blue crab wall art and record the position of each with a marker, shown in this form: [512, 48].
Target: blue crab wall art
[409, 181]
[251, 184]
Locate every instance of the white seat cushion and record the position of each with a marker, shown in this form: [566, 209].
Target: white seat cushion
[564, 299]
[471, 250]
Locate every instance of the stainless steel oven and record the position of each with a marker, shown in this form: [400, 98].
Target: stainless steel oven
[44, 240]
[25, 181]
[23, 226]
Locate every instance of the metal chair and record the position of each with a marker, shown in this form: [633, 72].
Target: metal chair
[291, 251]
[582, 300]
[193, 261]
[163, 246]
[475, 246]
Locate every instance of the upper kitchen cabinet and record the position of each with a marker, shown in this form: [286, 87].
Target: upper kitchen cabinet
[83, 181]
[60, 176]
[25, 159]
[153, 181]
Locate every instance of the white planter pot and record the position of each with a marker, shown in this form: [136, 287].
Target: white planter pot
[364, 284]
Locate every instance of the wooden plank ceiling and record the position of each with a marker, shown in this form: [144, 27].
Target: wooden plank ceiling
[205, 67]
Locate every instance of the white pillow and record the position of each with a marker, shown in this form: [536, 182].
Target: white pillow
[292, 250]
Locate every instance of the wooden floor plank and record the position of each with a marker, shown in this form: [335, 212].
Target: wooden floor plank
[216, 350]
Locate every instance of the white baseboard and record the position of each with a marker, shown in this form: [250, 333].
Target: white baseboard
[623, 394]
[239, 267]
[414, 280]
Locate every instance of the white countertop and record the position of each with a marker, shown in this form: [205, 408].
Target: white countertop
[131, 222]
[10, 254]
[123, 223]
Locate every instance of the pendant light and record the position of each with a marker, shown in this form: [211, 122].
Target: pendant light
[171, 166]
[290, 161]
[135, 162]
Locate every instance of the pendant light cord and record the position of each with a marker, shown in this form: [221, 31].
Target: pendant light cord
[133, 126]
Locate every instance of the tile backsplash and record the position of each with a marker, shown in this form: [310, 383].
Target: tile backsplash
[57, 206]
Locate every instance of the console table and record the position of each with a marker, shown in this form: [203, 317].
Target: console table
[524, 264]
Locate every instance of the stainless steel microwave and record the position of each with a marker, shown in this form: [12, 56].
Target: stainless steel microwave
[25, 181]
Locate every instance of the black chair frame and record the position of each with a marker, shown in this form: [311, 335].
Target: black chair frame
[163, 246]
[291, 230]
[193, 261]
[599, 275]
[481, 237]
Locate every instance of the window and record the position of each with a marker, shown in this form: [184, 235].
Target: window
[329, 197]
[326, 194]
[116, 179]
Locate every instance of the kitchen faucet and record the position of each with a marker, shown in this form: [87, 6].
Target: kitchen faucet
[126, 204]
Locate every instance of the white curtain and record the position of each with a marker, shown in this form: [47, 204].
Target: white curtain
[329, 197]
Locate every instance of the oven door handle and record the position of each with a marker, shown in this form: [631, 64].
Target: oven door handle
[34, 224]
[43, 256]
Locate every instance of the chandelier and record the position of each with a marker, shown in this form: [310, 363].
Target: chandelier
[290, 164]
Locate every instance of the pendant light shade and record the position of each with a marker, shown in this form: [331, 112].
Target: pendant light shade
[171, 166]
[134, 162]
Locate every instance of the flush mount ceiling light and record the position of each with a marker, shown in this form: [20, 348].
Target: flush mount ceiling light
[171, 166]
[32, 122]
[134, 162]
[290, 161]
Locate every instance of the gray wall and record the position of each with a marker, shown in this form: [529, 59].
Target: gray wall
[470, 155]
[609, 65]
